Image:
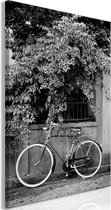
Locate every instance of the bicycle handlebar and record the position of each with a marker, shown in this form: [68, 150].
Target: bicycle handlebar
[52, 124]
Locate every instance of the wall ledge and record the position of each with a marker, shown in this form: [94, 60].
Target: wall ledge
[81, 124]
[36, 126]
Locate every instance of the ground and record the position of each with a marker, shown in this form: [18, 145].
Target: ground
[55, 188]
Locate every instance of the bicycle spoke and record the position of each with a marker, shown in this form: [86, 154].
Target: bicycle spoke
[89, 148]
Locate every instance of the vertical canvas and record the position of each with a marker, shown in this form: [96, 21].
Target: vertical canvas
[57, 104]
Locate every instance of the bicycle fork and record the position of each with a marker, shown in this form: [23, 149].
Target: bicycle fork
[47, 140]
[41, 156]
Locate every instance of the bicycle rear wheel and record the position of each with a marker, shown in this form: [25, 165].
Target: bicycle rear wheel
[37, 167]
[88, 167]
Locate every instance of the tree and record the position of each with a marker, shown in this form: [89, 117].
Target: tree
[100, 30]
[26, 21]
[65, 58]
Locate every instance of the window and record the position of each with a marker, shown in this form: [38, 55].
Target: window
[78, 109]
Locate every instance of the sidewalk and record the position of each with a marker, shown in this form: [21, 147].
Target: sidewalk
[98, 199]
[55, 188]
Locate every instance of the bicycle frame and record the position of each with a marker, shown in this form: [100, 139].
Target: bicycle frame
[55, 151]
[70, 157]
[75, 138]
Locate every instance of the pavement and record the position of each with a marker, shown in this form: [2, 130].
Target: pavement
[91, 200]
[55, 188]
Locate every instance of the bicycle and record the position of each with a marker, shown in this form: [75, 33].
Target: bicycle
[85, 158]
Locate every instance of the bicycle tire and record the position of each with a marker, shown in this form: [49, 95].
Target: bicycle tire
[31, 174]
[89, 167]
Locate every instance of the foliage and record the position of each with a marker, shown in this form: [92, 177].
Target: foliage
[100, 30]
[65, 58]
[26, 22]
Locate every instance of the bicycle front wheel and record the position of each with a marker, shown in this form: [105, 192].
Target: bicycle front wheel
[34, 165]
[88, 158]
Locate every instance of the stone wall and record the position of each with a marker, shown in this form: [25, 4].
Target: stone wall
[60, 141]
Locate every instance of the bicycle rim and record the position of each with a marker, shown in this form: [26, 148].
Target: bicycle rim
[87, 168]
[31, 169]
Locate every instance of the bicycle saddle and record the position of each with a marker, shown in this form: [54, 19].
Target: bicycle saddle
[77, 129]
